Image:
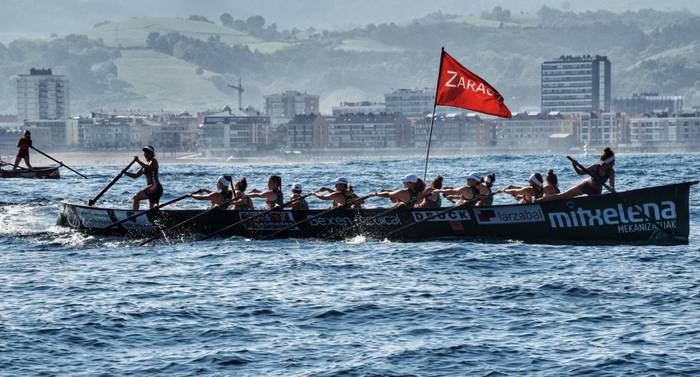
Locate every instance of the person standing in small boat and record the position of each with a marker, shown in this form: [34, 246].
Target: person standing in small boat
[154, 190]
[298, 203]
[475, 192]
[343, 195]
[551, 186]
[23, 145]
[410, 195]
[599, 174]
[222, 197]
[431, 198]
[273, 196]
[242, 202]
[528, 194]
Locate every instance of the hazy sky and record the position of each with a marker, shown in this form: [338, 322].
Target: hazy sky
[65, 16]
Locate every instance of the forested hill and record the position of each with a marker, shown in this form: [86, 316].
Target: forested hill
[166, 63]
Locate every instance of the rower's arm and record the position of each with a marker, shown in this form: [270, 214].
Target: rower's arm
[266, 195]
[207, 196]
[390, 194]
[327, 196]
[518, 191]
[447, 192]
[134, 175]
[612, 179]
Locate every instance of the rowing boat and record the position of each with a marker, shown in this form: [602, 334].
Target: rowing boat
[608, 218]
[43, 172]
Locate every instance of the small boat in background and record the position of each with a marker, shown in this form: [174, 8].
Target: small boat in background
[42, 172]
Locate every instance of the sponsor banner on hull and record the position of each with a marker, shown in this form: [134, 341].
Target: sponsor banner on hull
[526, 213]
[269, 221]
[345, 221]
[628, 218]
[456, 215]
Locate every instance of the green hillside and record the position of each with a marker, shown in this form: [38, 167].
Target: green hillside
[134, 31]
[167, 82]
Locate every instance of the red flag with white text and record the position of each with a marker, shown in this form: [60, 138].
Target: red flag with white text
[459, 87]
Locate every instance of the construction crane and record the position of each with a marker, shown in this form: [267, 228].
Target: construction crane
[239, 89]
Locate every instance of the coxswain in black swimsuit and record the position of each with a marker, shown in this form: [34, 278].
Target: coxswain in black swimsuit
[154, 190]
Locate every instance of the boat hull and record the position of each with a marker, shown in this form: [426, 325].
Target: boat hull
[45, 172]
[609, 218]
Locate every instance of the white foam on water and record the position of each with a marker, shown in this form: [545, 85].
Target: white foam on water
[359, 239]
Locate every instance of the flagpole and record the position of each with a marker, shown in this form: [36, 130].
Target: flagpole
[432, 118]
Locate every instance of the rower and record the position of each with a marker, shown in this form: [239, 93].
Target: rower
[298, 202]
[273, 196]
[243, 202]
[431, 198]
[154, 190]
[551, 186]
[407, 196]
[23, 145]
[528, 194]
[220, 198]
[599, 173]
[343, 194]
[475, 192]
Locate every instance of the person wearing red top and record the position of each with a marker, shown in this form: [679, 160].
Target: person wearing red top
[23, 144]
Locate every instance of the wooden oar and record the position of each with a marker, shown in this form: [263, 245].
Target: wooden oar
[318, 215]
[210, 235]
[440, 213]
[612, 191]
[59, 162]
[92, 201]
[141, 213]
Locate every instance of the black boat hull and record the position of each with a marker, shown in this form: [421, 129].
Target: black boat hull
[609, 218]
[45, 172]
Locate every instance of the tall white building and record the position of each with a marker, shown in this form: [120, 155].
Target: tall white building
[42, 95]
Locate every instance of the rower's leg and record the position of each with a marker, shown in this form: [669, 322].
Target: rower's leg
[17, 160]
[26, 161]
[568, 194]
[141, 195]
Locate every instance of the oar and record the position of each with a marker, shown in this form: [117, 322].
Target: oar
[210, 235]
[612, 190]
[318, 215]
[141, 213]
[440, 213]
[402, 205]
[92, 201]
[59, 162]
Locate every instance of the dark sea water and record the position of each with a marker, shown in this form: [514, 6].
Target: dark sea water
[77, 306]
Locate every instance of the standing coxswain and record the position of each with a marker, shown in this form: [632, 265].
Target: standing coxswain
[23, 145]
[154, 190]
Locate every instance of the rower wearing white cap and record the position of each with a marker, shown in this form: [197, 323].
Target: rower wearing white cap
[222, 197]
[410, 195]
[475, 191]
[528, 194]
[154, 190]
[298, 203]
[342, 195]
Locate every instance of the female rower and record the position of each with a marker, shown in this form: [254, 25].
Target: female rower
[599, 173]
[432, 199]
[154, 190]
[342, 196]
[273, 196]
[23, 145]
[242, 202]
[487, 182]
[410, 195]
[222, 197]
[298, 203]
[475, 192]
[528, 194]
[551, 187]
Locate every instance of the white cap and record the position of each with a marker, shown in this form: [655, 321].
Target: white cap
[148, 148]
[340, 181]
[297, 187]
[474, 176]
[534, 179]
[223, 181]
[412, 178]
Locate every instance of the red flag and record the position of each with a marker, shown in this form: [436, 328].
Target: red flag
[459, 87]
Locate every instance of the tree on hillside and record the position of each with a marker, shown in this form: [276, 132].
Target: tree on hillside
[226, 19]
[498, 14]
[196, 17]
[255, 25]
